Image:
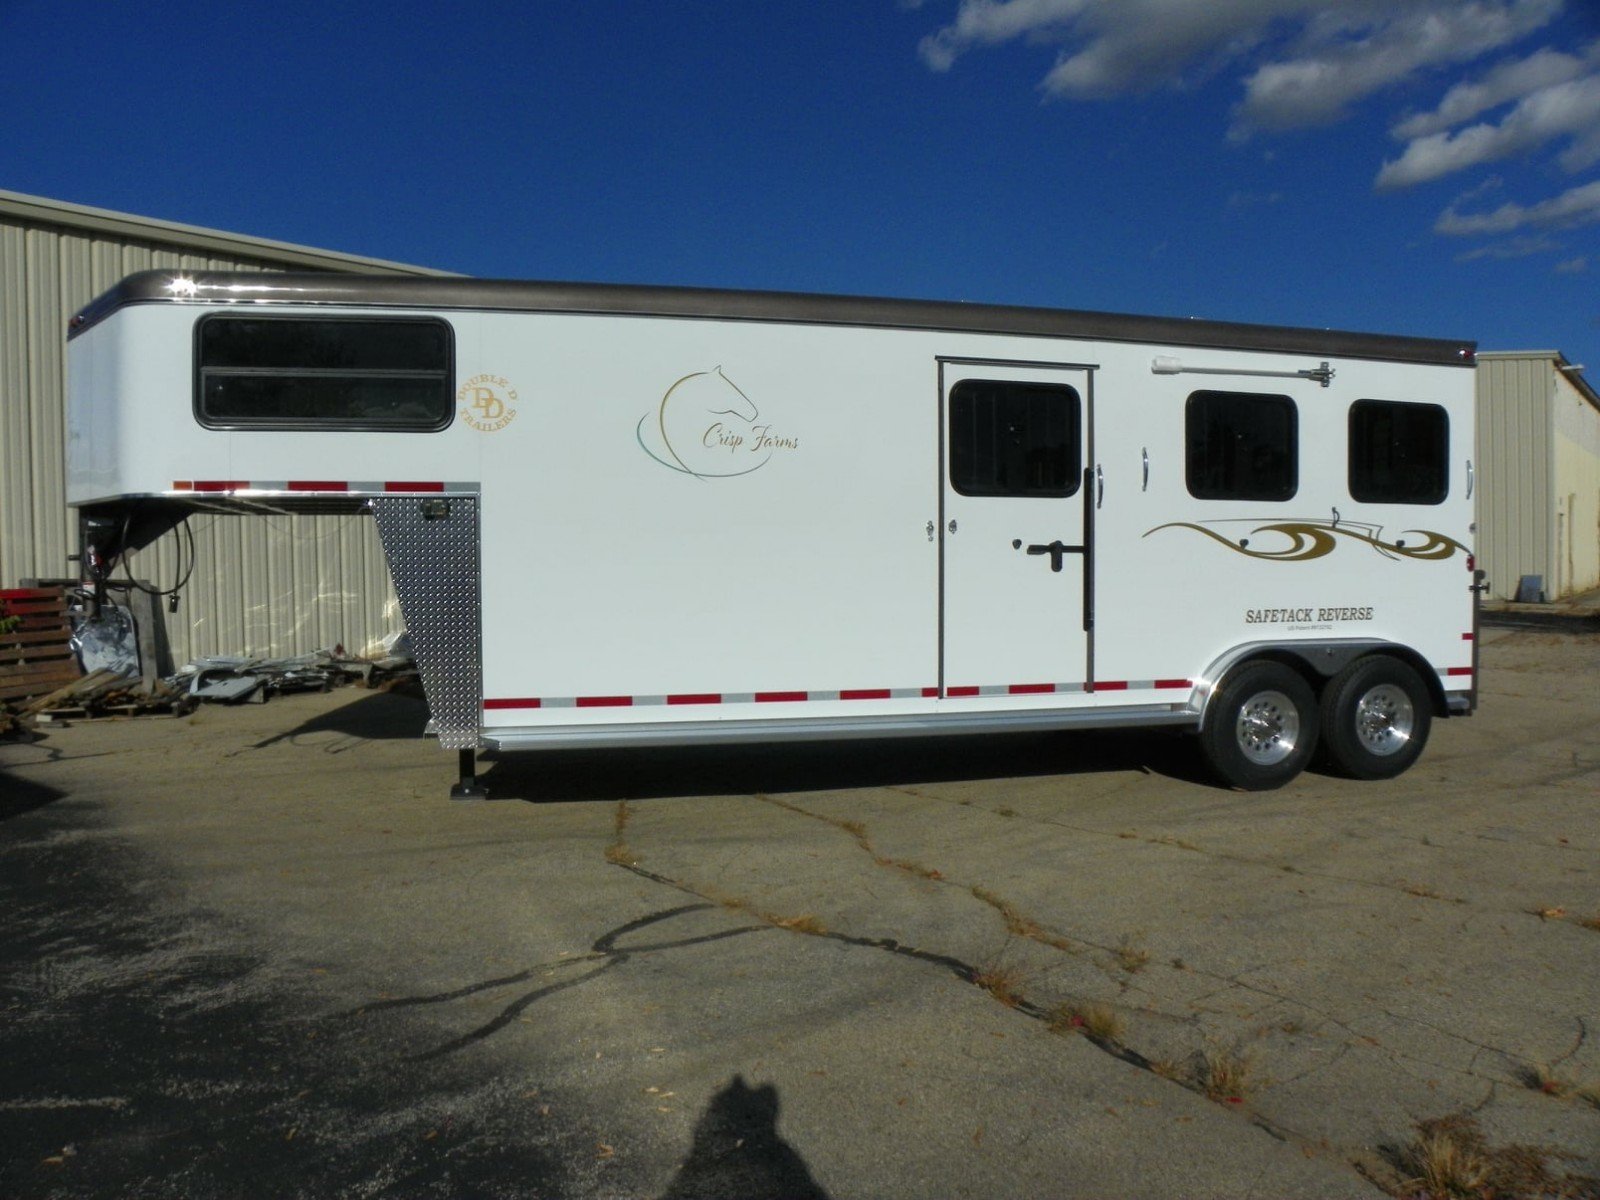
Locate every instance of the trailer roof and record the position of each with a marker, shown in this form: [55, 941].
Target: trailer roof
[437, 294]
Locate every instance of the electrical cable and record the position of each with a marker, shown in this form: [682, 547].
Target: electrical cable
[181, 572]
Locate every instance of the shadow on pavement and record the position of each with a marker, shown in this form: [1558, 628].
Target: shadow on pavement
[738, 1153]
[613, 774]
[147, 1053]
[379, 716]
[18, 796]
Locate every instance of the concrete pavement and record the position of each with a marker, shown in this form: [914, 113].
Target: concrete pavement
[257, 952]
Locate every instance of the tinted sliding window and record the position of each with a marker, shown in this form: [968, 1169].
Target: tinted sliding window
[1242, 446]
[391, 373]
[1014, 439]
[1399, 453]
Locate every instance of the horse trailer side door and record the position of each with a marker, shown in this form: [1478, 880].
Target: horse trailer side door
[1015, 527]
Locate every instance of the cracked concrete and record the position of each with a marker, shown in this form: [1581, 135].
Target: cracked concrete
[259, 949]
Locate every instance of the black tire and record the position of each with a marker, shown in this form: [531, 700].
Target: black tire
[1261, 727]
[1376, 714]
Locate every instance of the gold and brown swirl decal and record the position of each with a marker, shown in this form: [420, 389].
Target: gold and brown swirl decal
[1317, 539]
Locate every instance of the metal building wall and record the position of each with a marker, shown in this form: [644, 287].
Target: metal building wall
[1575, 429]
[261, 586]
[1515, 498]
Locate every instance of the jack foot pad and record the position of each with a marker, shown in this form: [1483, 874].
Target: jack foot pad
[468, 788]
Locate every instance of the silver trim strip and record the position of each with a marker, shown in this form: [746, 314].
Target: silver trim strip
[672, 733]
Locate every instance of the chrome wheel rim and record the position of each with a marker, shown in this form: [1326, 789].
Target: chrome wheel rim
[1385, 720]
[1267, 728]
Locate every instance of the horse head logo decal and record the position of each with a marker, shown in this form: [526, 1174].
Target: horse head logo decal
[706, 427]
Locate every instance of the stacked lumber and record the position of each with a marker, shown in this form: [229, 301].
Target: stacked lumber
[35, 657]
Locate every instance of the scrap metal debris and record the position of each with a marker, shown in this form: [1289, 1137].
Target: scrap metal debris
[232, 680]
[108, 692]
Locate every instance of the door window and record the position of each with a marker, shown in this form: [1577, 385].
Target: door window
[1242, 446]
[1009, 438]
[1399, 453]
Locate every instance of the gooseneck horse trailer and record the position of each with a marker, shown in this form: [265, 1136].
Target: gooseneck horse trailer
[623, 516]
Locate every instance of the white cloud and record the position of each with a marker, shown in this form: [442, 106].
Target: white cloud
[1111, 47]
[1352, 51]
[1507, 82]
[1303, 63]
[1573, 266]
[1517, 247]
[1335, 54]
[990, 22]
[1577, 206]
[1561, 110]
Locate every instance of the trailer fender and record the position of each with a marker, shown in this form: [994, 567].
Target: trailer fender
[1317, 662]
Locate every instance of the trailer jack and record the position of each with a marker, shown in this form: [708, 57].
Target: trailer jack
[467, 787]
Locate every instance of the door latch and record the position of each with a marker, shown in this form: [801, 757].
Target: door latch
[1056, 550]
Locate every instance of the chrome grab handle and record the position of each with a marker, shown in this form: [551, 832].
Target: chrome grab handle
[1099, 487]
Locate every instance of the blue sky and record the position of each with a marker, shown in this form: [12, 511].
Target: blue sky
[1427, 167]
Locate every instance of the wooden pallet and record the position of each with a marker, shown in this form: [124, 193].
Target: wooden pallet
[105, 712]
[36, 657]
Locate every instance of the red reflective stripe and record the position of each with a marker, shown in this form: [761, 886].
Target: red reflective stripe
[1469, 637]
[604, 701]
[961, 691]
[413, 487]
[1459, 671]
[1174, 683]
[1109, 685]
[318, 485]
[865, 694]
[696, 698]
[182, 485]
[514, 702]
[930, 693]
[1030, 689]
[779, 697]
[221, 485]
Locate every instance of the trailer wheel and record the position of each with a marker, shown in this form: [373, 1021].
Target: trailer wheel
[1376, 714]
[1261, 728]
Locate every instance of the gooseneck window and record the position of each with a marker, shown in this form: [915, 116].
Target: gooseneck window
[389, 374]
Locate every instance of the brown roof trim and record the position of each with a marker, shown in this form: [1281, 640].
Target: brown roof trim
[436, 294]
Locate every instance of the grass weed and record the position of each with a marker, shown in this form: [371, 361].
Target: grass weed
[1003, 983]
[1131, 956]
[1224, 1074]
[1098, 1021]
[1450, 1159]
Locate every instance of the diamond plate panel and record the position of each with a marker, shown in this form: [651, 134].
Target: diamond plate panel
[432, 547]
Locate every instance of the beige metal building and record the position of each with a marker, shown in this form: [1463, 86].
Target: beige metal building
[286, 585]
[1538, 506]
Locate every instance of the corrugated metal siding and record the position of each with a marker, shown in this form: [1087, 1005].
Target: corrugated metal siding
[1575, 424]
[1515, 501]
[282, 585]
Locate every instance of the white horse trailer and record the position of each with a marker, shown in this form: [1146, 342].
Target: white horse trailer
[639, 516]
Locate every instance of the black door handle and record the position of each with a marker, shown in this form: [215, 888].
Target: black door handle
[1055, 550]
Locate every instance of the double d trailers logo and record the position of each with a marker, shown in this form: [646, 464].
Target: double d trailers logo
[705, 426]
[486, 402]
